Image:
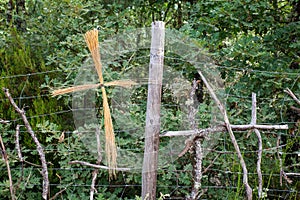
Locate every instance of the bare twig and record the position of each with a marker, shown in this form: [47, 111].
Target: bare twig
[96, 166]
[18, 143]
[30, 163]
[295, 109]
[292, 165]
[233, 140]
[20, 157]
[3, 121]
[192, 106]
[57, 194]
[211, 164]
[36, 141]
[188, 144]
[282, 173]
[288, 180]
[280, 161]
[94, 178]
[5, 157]
[292, 174]
[96, 171]
[289, 92]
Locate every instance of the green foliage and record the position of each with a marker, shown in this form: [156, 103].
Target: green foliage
[254, 43]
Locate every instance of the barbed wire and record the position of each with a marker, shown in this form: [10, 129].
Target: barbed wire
[177, 186]
[271, 150]
[71, 110]
[172, 188]
[275, 73]
[247, 98]
[160, 171]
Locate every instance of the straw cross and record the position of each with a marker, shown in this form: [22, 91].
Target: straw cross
[91, 38]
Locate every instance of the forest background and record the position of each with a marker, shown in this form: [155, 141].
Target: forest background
[255, 44]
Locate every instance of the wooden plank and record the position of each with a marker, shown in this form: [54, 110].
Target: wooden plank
[152, 129]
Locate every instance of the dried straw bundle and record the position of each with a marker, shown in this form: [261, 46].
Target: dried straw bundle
[91, 38]
[122, 83]
[74, 89]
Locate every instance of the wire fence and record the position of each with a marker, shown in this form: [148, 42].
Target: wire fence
[176, 186]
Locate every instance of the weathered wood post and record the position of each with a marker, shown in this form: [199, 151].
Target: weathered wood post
[149, 171]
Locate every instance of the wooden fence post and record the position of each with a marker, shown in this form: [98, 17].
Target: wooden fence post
[152, 130]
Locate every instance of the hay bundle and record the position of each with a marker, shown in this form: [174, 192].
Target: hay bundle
[91, 38]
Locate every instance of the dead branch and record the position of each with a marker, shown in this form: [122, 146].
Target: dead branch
[20, 157]
[233, 140]
[18, 143]
[253, 111]
[58, 193]
[5, 157]
[295, 109]
[257, 126]
[188, 144]
[196, 133]
[96, 166]
[292, 165]
[207, 131]
[211, 164]
[30, 163]
[289, 92]
[292, 174]
[36, 141]
[259, 153]
[96, 171]
[282, 173]
[3, 121]
[280, 161]
[197, 171]
[94, 178]
[197, 143]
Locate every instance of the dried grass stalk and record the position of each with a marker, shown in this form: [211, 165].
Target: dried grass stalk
[91, 38]
[110, 145]
[122, 83]
[74, 89]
